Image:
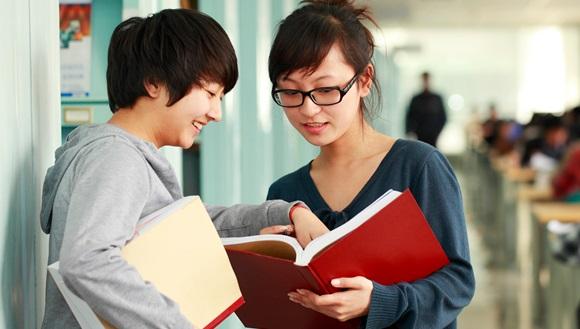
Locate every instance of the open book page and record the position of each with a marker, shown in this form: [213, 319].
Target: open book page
[274, 245]
[329, 238]
[286, 247]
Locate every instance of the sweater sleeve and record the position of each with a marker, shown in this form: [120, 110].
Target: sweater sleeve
[243, 220]
[108, 196]
[435, 301]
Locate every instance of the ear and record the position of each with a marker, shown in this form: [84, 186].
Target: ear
[366, 80]
[153, 88]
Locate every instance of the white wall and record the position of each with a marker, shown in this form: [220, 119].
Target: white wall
[29, 133]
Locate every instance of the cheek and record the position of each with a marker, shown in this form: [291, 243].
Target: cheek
[199, 108]
[347, 114]
[292, 116]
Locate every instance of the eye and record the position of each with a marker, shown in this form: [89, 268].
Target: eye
[325, 90]
[210, 93]
[290, 92]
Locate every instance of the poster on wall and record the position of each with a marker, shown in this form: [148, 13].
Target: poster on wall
[75, 48]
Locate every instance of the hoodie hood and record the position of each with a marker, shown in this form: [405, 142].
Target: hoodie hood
[83, 136]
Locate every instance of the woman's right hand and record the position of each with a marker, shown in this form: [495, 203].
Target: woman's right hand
[307, 226]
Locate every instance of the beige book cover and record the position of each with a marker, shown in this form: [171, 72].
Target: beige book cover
[179, 251]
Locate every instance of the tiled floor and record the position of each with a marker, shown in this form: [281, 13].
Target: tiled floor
[499, 291]
[495, 304]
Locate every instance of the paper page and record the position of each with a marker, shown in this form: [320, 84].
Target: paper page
[255, 243]
[329, 238]
[85, 316]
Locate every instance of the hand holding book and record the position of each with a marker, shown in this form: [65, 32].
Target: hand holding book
[345, 305]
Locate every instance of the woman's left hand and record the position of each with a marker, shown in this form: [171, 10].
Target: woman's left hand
[344, 305]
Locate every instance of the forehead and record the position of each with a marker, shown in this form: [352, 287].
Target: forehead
[212, 85]
[333, 64]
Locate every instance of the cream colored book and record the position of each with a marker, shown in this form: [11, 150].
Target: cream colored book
[197, 275]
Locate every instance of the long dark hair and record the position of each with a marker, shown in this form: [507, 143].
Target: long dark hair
[305, 37]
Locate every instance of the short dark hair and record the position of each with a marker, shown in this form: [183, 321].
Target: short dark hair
[305, 37]
[177, 48]
[552, 122]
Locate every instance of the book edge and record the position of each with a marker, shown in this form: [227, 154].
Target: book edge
[150, 221]
[83, 313]
[226, 313]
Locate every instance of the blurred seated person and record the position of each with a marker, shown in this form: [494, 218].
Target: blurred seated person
[503, 152]
[572, 121]
[551, 146]
[566, 182]
[490, 126]
[506, 135]
[534, 128]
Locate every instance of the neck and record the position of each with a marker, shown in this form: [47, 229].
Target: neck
[137, 122]
[355, 144]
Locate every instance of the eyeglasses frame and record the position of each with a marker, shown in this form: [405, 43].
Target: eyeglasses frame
[343, 92]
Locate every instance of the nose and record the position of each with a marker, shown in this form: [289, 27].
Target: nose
[215, 112]
[309, 108]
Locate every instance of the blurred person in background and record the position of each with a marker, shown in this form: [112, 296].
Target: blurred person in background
[572, 121]
[506, 135]
[566, 182]
[490, 126]
[550, 146]
[426, 116]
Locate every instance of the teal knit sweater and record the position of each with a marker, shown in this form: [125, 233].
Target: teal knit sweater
[435, 301]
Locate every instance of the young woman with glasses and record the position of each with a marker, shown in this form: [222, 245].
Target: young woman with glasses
[323, 77]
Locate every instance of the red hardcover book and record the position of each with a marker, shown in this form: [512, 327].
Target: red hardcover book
[388, 242]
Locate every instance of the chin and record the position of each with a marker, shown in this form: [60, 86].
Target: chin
[186, 142]
[317, 141]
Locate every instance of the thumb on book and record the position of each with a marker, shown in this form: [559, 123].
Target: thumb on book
[357, 282]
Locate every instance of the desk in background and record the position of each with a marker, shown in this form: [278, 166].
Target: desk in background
[558, 290]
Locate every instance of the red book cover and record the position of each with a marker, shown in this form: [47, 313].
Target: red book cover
[388, 242]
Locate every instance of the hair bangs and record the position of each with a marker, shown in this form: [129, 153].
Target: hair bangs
[303, 48]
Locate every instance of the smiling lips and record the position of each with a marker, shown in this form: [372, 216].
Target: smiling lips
[198, 126]
[315, 127]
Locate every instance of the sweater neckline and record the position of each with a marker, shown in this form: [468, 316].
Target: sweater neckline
[313, 191]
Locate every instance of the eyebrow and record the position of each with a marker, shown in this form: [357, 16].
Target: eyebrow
[317, 79]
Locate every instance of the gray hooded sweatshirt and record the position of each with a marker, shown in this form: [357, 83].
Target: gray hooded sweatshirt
[103, 181]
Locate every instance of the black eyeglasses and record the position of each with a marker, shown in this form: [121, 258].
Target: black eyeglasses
[320, 96]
